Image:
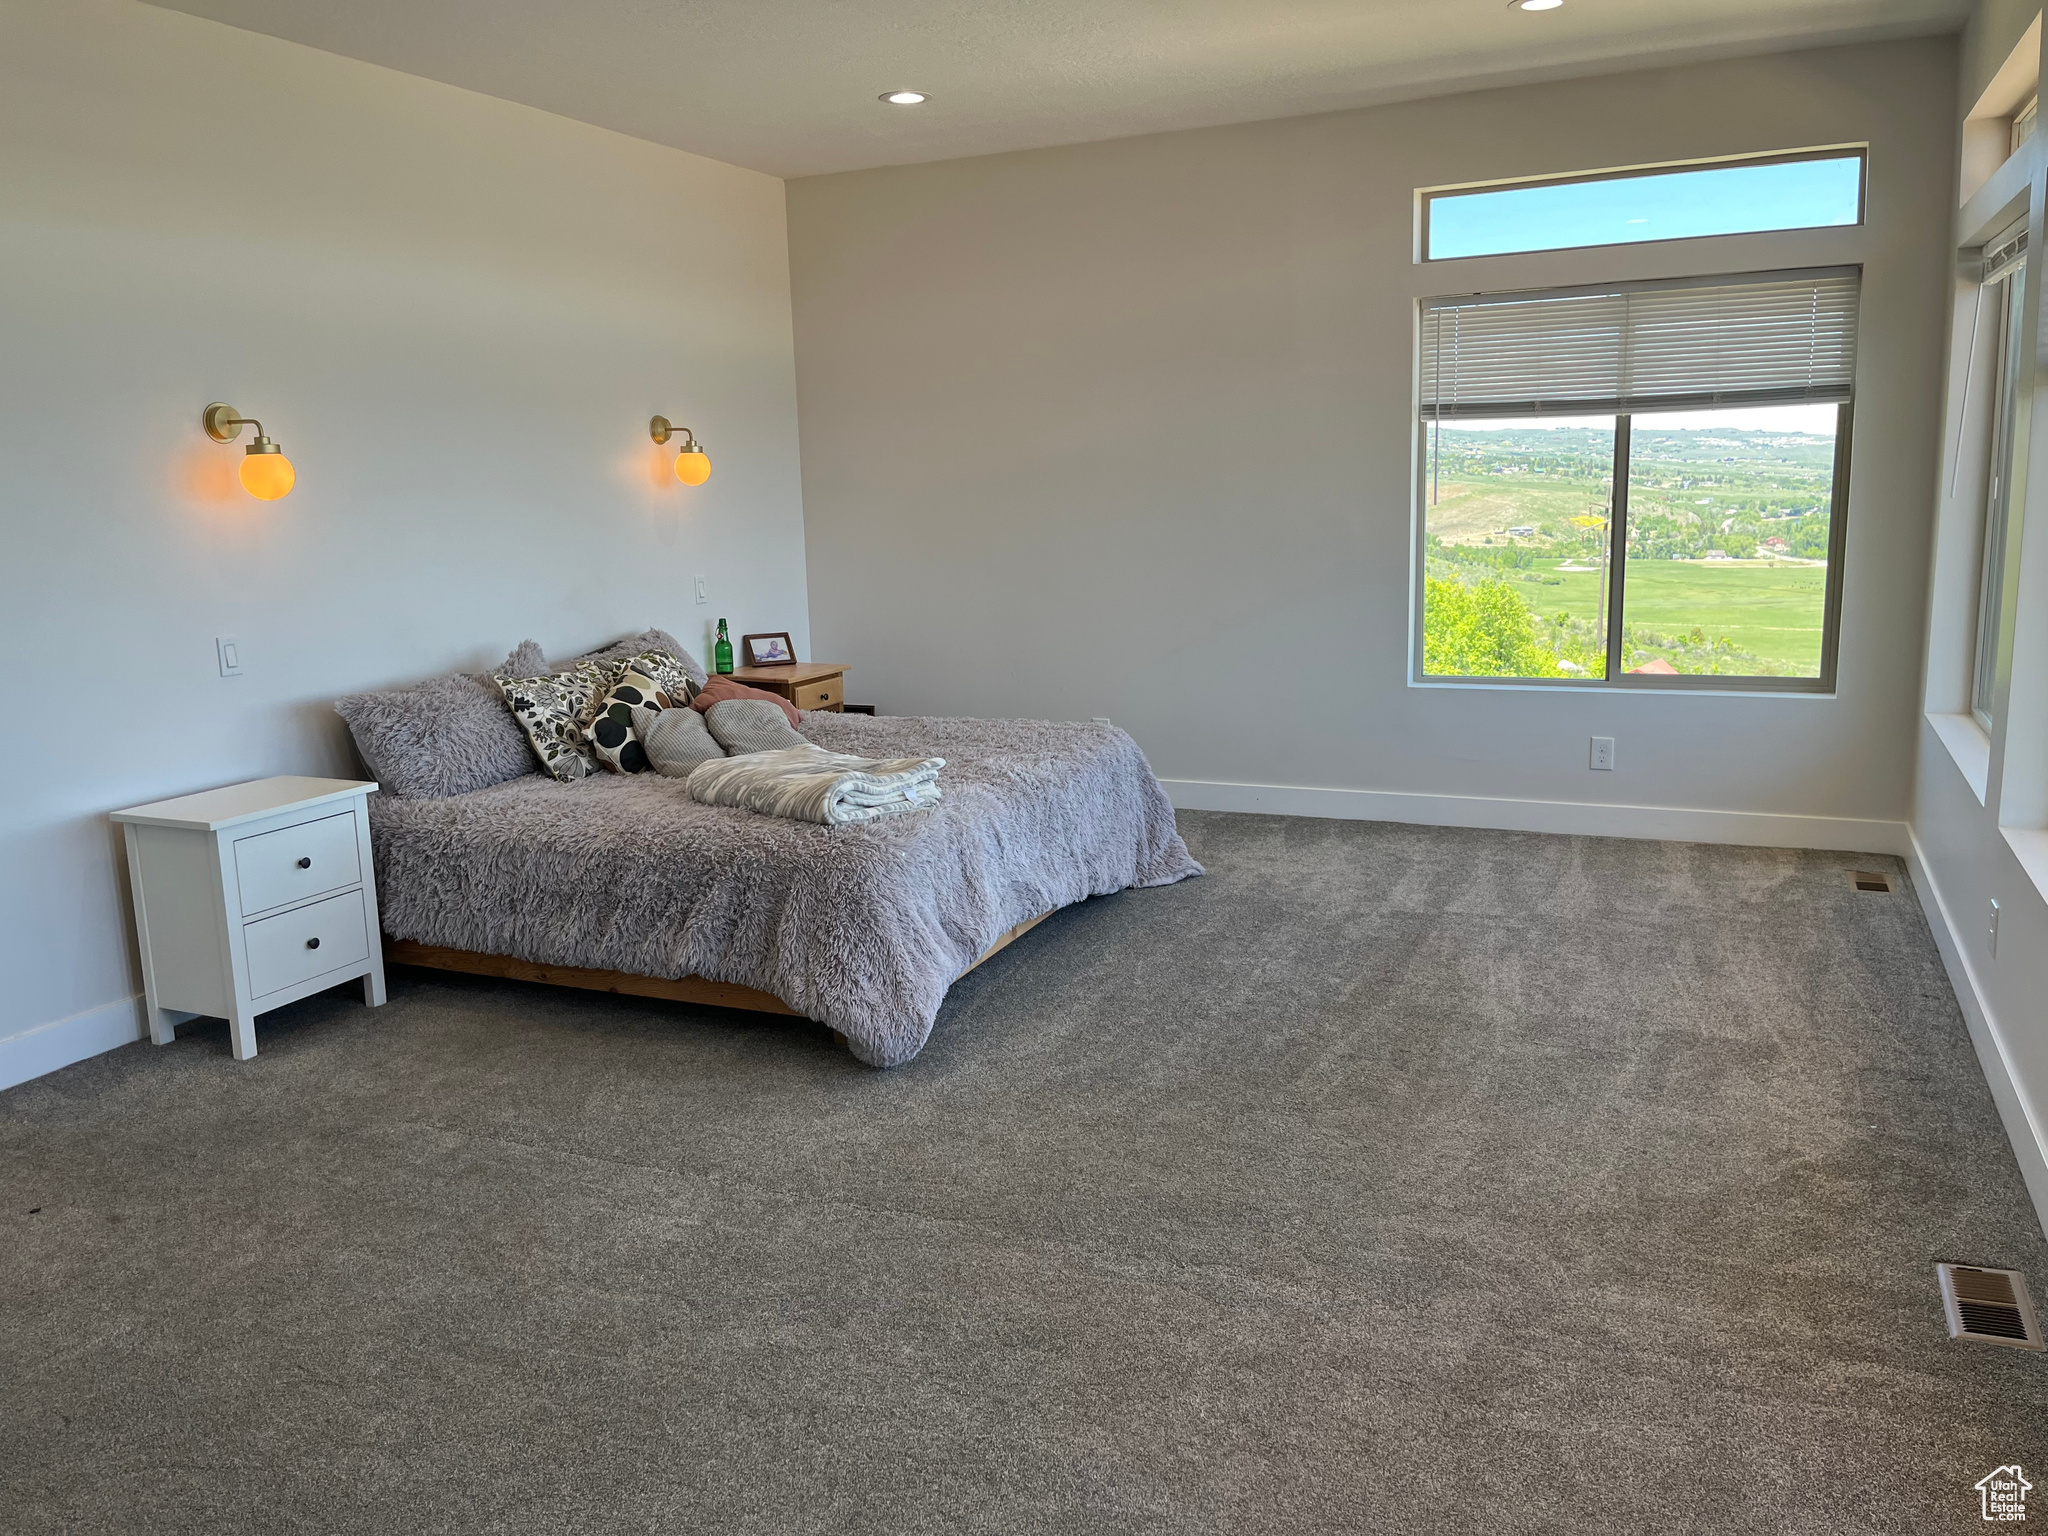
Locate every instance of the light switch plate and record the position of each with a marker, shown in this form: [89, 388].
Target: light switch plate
[228, 651]
[703, 590]
[1994, 930]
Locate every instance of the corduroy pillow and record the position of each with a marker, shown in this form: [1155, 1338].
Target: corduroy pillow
[675, 740]
[749, 725]
[719, 689]
[449, 735]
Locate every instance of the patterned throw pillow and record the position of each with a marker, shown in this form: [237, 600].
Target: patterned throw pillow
[634, 646]
[549, 707]
[650, 681]
[668, 674]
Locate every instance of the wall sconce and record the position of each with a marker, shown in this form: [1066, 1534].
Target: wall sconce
[693, 465]
[266, 473]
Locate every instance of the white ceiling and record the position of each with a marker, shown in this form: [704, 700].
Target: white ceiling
[789, 86]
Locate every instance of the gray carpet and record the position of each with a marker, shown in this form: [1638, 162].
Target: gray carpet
[1387, 1179]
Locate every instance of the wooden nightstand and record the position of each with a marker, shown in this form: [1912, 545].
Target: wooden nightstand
[251, 897]
[807, 684]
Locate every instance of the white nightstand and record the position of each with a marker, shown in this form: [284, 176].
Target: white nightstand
[251, 897]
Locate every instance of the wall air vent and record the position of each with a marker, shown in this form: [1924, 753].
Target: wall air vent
[1988, 1306]
[1871, 880]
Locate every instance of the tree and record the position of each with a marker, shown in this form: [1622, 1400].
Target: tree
[1484, 630]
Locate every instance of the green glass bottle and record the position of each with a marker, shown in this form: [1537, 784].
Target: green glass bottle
[721, 656]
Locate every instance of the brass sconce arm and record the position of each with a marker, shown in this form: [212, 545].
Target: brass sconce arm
[224, 426]
[661, 431]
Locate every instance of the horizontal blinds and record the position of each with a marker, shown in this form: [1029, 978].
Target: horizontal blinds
[1770, 339]
[2006, 254]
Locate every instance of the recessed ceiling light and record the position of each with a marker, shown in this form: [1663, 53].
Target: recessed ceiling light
[1536, 5]
[913, 98]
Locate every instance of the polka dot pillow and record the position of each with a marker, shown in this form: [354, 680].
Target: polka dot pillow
[652, 681]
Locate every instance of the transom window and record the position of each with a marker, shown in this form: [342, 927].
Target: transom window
[1818, 190]
[1637, 484]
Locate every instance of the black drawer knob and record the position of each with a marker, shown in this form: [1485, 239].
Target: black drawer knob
[305, 863]
[312, 943]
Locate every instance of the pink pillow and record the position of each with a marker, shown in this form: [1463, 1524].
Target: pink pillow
[720, 689]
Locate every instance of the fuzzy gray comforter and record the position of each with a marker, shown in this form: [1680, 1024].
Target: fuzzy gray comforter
[860, 927]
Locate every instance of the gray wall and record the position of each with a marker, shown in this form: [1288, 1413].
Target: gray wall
[1994, 26]
[1125, 429]
[456, 315]
[1980, 812]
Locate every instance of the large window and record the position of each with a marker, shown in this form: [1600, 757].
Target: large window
[1636, 485]
[1811, 191]
[2004, 276]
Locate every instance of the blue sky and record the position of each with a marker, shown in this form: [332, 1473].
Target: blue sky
[1669, 205]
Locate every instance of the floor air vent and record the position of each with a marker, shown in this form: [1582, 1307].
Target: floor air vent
[1988, 1306]
[1870, 880]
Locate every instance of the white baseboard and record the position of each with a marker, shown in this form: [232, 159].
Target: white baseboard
[2023, 1129]
[50, 1046]
[1757, 829]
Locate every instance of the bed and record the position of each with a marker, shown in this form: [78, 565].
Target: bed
[624, 882]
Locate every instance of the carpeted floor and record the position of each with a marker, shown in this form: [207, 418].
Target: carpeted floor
[1388, 1179]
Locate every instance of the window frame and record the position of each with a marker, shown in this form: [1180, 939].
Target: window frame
[1617, 563]
[1426, 196]
[1991, 621]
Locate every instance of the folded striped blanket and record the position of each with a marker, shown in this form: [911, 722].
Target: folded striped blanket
[808, 783]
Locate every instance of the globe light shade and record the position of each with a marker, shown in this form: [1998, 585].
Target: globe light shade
[693, 466]
[268, 476]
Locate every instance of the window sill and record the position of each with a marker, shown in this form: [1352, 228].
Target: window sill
[1968, 746]
[2030, 846]
[1608, 690]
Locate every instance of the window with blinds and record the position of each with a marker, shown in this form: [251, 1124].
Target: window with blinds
[1637, 485]
[1772, 339]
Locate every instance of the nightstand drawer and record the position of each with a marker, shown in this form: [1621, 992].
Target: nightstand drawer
[294, 863]
[297, 946]
[822, 695]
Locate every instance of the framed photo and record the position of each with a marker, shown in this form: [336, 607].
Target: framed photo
[768, 650]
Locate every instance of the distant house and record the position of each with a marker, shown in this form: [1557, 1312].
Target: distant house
[1776, 545]
[1523, 532]
[1717, 554]
[1658, 665]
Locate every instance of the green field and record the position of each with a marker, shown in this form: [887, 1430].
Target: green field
[1727, 539]
[1772, 611]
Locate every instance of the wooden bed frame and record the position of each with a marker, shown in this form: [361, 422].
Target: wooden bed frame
[688, 989]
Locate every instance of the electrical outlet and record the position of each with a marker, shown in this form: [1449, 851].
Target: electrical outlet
[1602, 757]
[229, 653]
[703, 590]
[1994, 930]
